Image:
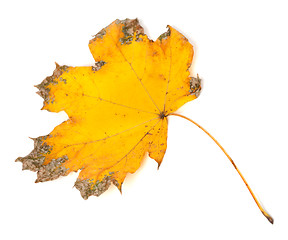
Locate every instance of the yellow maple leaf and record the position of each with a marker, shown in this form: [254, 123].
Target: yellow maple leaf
[117, 109]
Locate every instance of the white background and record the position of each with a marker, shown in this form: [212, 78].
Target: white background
[241, 54]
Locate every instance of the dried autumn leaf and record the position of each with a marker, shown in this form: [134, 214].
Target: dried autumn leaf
[117, 109]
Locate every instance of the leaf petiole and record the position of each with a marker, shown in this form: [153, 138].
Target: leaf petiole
[270, 219]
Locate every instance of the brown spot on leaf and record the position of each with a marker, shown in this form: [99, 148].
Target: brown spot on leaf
[34, 161]
[98, 65]
[131, 27]
[43, 86]
[195, 85]
[100, 34]
[165, 35]
[52, 170]
[89, 188]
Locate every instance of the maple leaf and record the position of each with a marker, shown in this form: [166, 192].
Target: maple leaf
[117, 108]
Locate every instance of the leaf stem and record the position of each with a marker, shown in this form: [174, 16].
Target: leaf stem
[270, 219]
